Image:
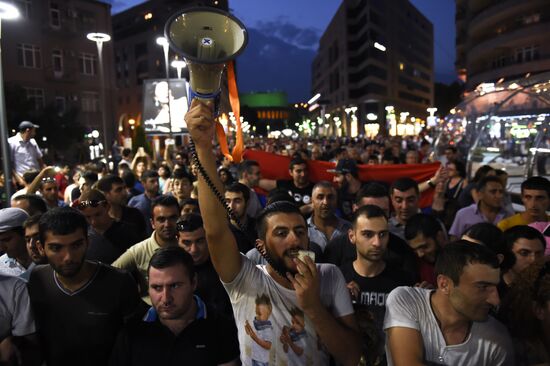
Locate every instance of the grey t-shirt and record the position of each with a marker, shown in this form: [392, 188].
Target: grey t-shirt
[16, 317]
[487, 344]
[270, 310]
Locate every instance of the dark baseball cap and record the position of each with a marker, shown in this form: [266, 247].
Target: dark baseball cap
[345, 166]
[26, 124]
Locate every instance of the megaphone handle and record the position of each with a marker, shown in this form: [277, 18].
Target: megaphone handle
[206, 98]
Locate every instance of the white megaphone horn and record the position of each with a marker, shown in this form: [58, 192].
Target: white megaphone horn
[207, 38]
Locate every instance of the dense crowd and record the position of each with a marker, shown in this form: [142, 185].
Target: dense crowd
[140, 263]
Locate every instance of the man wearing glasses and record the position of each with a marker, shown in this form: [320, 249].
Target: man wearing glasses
[165, 213]
[108, 238]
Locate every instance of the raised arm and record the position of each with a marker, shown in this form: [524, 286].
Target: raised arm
[267, 184]
[221, 242]
[35, 184]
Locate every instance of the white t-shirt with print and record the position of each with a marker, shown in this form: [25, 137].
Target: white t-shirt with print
[254, 281]
[487, 344]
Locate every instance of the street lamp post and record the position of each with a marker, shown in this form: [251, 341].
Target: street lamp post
[179, 65]
[99, 39]
[7, 11]
[162, 41]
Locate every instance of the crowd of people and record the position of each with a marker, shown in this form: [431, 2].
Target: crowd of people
[149, 262]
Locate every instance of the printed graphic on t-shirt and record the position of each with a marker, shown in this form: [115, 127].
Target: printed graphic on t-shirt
[261, 332]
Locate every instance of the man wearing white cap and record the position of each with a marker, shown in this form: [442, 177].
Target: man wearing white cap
[15, 261]
[25, 153]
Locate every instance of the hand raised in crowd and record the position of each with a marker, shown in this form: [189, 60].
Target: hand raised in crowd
[200, 122]
[441, 175]
[306, 284]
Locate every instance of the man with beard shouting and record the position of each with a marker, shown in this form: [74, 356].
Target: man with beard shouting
[287, 281]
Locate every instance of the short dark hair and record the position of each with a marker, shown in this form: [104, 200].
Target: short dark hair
[369, 211]
[424, 224]
[29, 176]
[182, 174]
[237, 187]
[512, 235]
[454, 256]
[92, 195]
[32, 220]
[404, 184]
[489, 235]
[189, 222]
[126, 152]
[36, 203]
[190, 201]
[482, 173]
[296, 161]
[536, 183]
[373, 189]
[279, 195]
[452, 148]
[172, 256]
[149, 174]
[323, 184]
[105, 184]
[90, 177]
[129, 178]
[273, 209]
[62, 221]
[246, 167]
[164, 201]
[486, 180]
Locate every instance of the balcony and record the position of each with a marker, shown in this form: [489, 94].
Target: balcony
[489, 75]
[498, 11]
[526, 33]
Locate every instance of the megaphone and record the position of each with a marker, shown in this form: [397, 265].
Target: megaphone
[207, 38]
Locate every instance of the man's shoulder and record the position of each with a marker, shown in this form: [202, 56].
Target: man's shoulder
[467, 210]
[404, 295]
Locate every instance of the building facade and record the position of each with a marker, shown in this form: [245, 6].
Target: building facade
[139, 57]
[374, 54]
[501, 40]
[46, 53]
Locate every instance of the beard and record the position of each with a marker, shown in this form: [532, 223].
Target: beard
[68, 270]
[278, 262]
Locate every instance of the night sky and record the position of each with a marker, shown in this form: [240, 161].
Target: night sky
[302, 22]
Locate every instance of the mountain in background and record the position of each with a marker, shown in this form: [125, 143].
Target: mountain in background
[270, 63]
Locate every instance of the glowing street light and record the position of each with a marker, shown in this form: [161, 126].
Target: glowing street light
[179, 65]
[99, 39]
[314, 98]
[379, 46]
[163, 42]
[7, 12]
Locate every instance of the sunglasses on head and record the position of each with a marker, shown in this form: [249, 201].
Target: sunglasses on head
[92, 203]
[48, 180]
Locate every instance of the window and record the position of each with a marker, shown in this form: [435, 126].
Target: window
[36, 96]
[55, 15]
[531, 19]
[526, 54]
[57, 62]
[28, 55]
[87, 64]
[60, 105]
[90, 101]
[25, 7]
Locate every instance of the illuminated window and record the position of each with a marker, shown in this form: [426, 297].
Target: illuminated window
[148, 16]
[401, 66]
